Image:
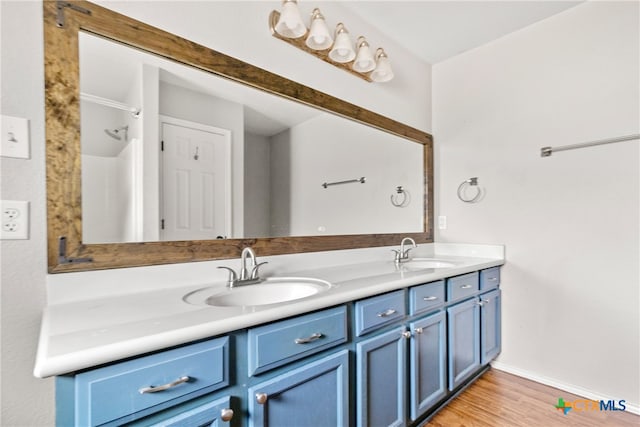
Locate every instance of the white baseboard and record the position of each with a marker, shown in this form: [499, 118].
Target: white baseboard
[569, 388]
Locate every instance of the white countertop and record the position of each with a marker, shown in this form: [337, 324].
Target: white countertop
[84, 333]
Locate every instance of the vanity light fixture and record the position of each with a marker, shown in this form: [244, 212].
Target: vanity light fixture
[290, 22]
[359, 60]
[319, 37]
[383, 71]
[342, 50]
[364, 61]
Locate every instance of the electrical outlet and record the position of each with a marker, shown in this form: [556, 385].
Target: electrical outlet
[15, 137]
[15, 220]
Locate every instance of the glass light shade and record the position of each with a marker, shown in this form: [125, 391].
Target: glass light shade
[364, 61]
[290, 24]
[319, 37]
[383, 71]
[342, 50]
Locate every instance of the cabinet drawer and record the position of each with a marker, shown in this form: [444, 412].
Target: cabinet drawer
[118, 390]
[282, 342]
[489, 278]
[372, 313]
[426, 297]
[213, 414]
[461, 287]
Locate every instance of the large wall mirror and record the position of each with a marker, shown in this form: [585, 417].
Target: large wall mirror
[180, 153]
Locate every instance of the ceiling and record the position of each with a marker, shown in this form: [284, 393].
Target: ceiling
[437, 30]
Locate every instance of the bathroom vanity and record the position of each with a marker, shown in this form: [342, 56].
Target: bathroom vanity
[338, 334]
[383, 345]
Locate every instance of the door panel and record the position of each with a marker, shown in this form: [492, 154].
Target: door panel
[427, 363]
[463, 329]
[381, 370]
[196, 183]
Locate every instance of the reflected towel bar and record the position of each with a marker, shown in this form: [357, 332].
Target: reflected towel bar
[361, 180]
[547, 151]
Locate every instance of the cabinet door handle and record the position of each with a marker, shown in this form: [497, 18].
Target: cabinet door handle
[493, 279]
[418, 330]
[430, 298]
[387, 313]
[155, 389]
[226, 414]
[261, 398]
[466, 286]
[310, 338]
[406, 334]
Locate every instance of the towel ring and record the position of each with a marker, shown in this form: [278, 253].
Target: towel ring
[400, 201]
[472, 182]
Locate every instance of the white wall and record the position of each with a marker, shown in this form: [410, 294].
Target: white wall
[570, 222]
[257, 183]
[27, 401]
[327, 148]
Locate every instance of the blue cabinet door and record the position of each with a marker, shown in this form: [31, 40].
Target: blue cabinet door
[427, 363]
[316, 394]
[490, 331]
[380, 379]
[463, 330]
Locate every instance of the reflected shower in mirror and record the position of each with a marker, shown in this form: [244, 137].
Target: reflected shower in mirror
[173, 153]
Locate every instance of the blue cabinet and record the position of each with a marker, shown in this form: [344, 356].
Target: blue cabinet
[412, 348]
[490, 330]
[380, 379]
[316, 394]
[463, 330]
[427, 363]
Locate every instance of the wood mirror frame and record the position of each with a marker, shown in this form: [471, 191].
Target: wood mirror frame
[66, 251]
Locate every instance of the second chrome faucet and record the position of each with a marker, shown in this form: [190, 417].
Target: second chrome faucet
[248, 275]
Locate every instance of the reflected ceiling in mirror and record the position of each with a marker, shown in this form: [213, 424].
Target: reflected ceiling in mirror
[172, 153]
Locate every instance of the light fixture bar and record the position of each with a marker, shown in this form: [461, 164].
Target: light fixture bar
[322, 54]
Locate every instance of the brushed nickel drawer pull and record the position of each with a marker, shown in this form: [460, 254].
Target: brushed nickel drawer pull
[387, 313]
[493, 279]
[466, 287]
[261, 398]
[430, 298]
[311, 338]
[155, 389]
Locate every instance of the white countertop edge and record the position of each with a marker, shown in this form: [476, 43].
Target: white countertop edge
[82, 358]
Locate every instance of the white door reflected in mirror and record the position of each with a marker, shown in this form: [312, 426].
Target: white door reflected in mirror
[196, 185]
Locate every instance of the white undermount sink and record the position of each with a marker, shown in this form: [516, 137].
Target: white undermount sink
[424, 263]
[270, 291]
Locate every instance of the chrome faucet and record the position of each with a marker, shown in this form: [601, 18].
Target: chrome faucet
[403, 254]
[245, 278]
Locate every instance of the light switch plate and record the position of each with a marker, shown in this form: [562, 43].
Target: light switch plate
[15, 220]
[15, 137]
[442, 222]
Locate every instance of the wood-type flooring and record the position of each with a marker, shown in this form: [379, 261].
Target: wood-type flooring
[499, 399]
